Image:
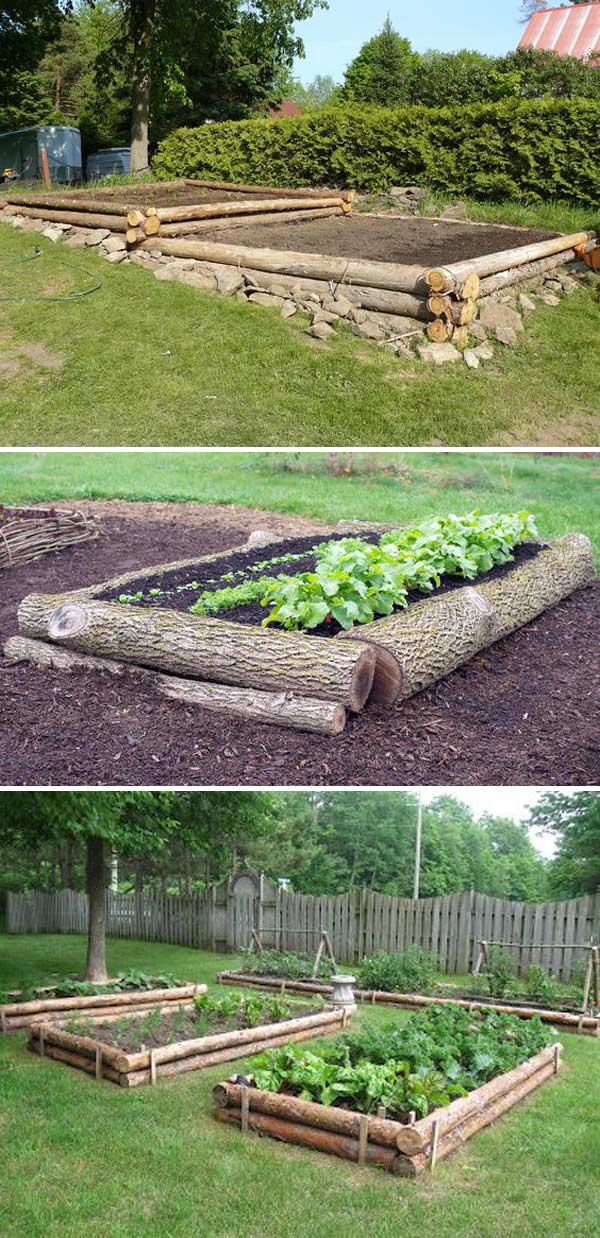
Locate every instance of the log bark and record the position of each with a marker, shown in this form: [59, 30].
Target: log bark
[232, 187]
[104, 1014]
[77, 219]
[70, 1058]
[310, 1137]
[273, 983]
[518, 275]
[452, 277]
[361, 271]
[531, 587]
[84, 1045]
[177, 214]
[272, 708]
[116, 1000]
[205, 647]
[326, 1117]
[141, 29]
[241, 221]
[55, 202]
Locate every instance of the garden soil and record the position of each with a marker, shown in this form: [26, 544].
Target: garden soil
[520, 713]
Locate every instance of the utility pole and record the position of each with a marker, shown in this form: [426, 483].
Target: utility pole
[418, 848]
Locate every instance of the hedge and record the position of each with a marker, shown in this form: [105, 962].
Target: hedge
[527, 149]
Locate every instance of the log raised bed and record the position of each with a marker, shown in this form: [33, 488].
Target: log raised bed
[14, 1016]
[283, 677]
[406, 1150]
[148, 1066]
[567, 1020]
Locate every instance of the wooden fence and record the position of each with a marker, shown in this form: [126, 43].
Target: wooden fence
[359, 922]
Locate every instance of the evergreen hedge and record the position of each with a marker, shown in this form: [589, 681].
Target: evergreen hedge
[527, 149]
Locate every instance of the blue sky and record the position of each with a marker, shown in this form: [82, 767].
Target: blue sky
[333, 36]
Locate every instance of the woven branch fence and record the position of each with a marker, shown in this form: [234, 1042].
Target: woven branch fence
[359, 922]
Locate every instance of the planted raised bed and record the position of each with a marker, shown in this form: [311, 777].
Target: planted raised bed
[168, 622]
[94, 1001]
[387, 1098]
[160, 1045]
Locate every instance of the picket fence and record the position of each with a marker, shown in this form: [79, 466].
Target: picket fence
[359, 922]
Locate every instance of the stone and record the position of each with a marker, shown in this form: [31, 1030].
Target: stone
[338, 305]
[495, 317]
[53, 234]
[147, 264]
[439, 354]
[229, 281]
[471, 359]
[368, 330]
[407, 191]
[198, 279]
[478, 331]
[320, 330]
[277, 290]
[526, 303]
[506, 335]
[184, 264]
[18, 221]
[358, 315]
[97, 236]
[163, 273]
[259, 537]
[549, 298]
[568, 283]
[288, 309]
[118, 256]
[322, 315]
[456, 210]
[484, 352]
[77, 241]
[405, 351]
[114, 245]
[265, 298]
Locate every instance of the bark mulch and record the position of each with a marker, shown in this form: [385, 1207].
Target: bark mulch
[382, 238]
[520, 713]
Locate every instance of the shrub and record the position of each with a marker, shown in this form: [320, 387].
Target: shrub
[287, 965]
[500, 972]
[531, 149]
[410, 971]
[540, 986]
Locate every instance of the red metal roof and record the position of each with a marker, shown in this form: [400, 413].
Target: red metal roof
[287, 108]
[570, 30]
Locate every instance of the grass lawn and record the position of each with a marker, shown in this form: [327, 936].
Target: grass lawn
[144, 363]
[559, 489]
[86, 1159]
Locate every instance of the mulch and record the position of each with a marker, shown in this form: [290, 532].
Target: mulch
[520, 713]
[385, 238]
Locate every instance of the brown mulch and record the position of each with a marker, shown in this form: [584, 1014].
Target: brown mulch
[430, 242]
[521, 713]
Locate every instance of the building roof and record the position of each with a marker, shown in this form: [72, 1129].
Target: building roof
[569, 30]
[286, 108]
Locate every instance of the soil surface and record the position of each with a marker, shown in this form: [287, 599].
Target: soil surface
[427, 242]
[523, 712]
[132, 1031]
[212, 576]
[556, 1003]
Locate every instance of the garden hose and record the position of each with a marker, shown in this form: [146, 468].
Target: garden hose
[68, 296]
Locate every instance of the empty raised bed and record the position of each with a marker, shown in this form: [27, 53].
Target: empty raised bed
[156, 1045]
[197, 627]
[405, 1098]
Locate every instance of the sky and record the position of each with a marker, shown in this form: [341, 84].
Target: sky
[332, 37]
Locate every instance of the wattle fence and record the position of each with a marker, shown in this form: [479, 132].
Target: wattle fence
[359, 922]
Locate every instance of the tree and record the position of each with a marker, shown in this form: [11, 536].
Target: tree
[529, 7]
[381, 71]
[575, 819]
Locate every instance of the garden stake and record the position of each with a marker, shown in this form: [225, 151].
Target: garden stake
[153, 1066]
[98, 1063]
[363, 1138]
[245, 1107]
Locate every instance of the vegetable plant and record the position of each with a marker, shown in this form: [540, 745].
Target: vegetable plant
[408, 971]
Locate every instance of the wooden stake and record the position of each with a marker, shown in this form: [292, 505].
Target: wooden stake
[99, 1063]
[45, 167]
[245, 1107]
[153, 1066]
[363, 1138]
[435, 1134]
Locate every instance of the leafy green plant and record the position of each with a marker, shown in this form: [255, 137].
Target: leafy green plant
[409, 971]
[500, 972]
[286, 964]
[540, 986]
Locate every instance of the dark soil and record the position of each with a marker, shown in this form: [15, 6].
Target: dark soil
[383, 238]
[557, 1003]
[210, 576]
[523, 712]
[133, 1031]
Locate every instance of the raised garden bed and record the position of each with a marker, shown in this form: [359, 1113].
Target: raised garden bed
[289, 677]
[146, 1049]
[118, 997]
[393, 1092]
[28, 533]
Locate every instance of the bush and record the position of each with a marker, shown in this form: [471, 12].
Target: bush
[533, 150]
[540, 986]
[500, 973]
[287, 965]
[410, 971]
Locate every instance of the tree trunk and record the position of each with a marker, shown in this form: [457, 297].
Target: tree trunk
[223, 223]
[208, 210]
[96, 874]
[143, 14]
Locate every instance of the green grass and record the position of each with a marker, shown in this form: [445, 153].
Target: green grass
[86, 1159]
[559, 489]
[143, 363]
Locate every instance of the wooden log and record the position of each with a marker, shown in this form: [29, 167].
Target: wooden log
[56, 202]
[518, 275]
[134, 235]
[531, 587]
[135, 217]
[273, 983]
[102, 1014]
[458, 312]
[242, 221]
[361, 271]
[151, 225]
[84, 1045]
[326, 1117]
[418, 1137]
[70, 1058]
[177, 214]
[205, 647]
[272, 708]
[440, 330]
[238, 1038]
[453, 277]
[310, 1137]
[135, 998]
[76, 219]
[232, 187]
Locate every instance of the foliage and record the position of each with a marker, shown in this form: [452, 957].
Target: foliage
[131, 981]
[407, 971]
[527, 149]
[438, 1055]
[354, 581]
[575, 820]
[243, 1010]
[540, 986]
[500, 972]
[381, 71]
[287, 964]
